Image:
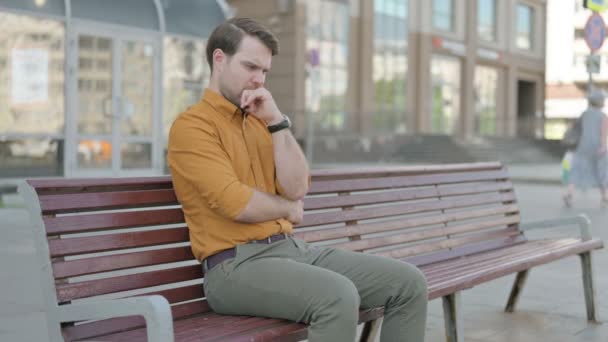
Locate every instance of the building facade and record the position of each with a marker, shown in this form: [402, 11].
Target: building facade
[91, 88]
[385, 67]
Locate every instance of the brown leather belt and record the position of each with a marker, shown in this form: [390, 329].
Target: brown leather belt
[219, 257]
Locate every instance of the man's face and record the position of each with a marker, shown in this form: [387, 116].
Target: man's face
[246, 69]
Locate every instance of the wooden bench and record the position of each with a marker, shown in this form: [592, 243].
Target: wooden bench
[116, 263]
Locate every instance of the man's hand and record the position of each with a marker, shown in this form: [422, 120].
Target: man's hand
[296, 212]
[259, 103]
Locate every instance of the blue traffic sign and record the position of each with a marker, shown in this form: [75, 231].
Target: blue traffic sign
[595, 32]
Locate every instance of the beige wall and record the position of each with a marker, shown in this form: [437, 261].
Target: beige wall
[287, 18]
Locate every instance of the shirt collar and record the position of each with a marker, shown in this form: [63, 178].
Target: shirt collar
[220, 103]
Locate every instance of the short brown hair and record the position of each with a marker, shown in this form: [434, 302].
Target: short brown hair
[228, 36]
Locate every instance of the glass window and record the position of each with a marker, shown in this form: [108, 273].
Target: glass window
[486, 20]
[486, 83]
[390, 65]
[443, 14]
[327, 65]
[32, 75]
[445, 94]
[525, 23]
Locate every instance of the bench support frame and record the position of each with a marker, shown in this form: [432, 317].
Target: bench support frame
[371, 330]
[452, 314]
[518, 285]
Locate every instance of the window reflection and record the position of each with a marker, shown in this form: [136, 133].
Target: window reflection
[443, 15]
[186, 74]
[136, 156]
[525, 23]
[137, 88]
[486, 19]
[31, 75]
[327, 67]
[28, 157]
[486, 83]
[94, 154]
[390, 64]
[95, 110]
[445, 78]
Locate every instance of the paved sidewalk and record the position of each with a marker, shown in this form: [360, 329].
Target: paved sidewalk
[551, 308]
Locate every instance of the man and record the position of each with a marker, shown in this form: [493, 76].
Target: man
[240, 176]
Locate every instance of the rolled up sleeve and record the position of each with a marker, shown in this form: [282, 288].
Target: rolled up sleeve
[195, 154]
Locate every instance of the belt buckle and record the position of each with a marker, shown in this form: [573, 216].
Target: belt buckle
[269, 239]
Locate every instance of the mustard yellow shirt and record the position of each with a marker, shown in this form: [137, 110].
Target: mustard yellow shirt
[218, 155]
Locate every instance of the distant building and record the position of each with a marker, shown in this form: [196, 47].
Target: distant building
[372, 69]
[90, 88]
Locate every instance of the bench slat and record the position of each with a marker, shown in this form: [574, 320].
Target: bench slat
[96, 184]
[404, 252]
[114, 325]
[476, 277]
[84, 289]
[99, 222]
[402, 195]
[324, 234]
[112, 242]
[464, 251]
[73, 203]
[403, 208]
[478, 262]
[384, 171]
[227, 328]
[72, 268]
[395, 239]
[349, 185]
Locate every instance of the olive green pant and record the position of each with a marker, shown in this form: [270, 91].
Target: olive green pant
[321, 286]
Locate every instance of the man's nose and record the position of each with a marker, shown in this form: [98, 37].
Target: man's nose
[258, 79]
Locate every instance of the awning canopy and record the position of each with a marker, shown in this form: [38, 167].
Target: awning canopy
[180, 17]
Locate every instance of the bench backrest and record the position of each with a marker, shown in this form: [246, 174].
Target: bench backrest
[125, 237]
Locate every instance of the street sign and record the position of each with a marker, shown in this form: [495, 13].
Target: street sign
[595, 32]
[593, 63]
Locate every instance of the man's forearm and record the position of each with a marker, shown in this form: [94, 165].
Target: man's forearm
[264, 207]
[291, 165]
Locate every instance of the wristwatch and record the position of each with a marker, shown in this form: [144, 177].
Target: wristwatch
[286, 123]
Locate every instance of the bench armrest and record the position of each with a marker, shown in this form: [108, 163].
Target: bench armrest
[155, 309]
[583, 222]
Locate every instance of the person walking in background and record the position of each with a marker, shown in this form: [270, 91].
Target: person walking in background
[589, 168]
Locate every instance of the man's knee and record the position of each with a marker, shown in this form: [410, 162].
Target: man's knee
[339, 299]
[413, 282]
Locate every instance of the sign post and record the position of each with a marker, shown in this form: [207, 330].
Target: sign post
[595, 33]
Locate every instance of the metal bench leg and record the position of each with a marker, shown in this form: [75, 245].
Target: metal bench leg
[452, 319]
[518, 285]
[589, 287]
[370, 330]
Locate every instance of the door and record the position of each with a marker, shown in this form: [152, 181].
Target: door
[526, 119]
[114, 109]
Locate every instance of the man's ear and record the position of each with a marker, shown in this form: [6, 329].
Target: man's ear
[219, 58]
